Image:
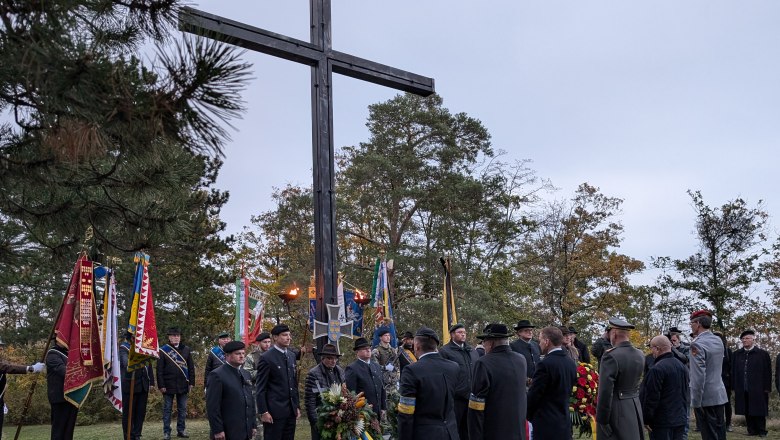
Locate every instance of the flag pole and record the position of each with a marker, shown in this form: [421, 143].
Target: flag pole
[130, 406]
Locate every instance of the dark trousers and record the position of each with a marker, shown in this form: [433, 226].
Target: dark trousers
[315, 433]
[139, 414]
[461, 415]
[2, 415]
[712, 422]
[181, 408]
[666, 433]
[727, 407]
[63, 420]
[280, 429]
[756, 425]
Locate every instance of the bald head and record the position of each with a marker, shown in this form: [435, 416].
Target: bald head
[660, 345]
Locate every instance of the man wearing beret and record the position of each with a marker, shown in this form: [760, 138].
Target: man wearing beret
[261, 345]
[708, 394]
[751, 377]
[319, 379]
[426, 409]
[364, 375]
[619, 411]
[386, 357]
[216, 356]
[460, 352]
[497, 403]
[230, 403]
[175, 379]
[277, 387]
[526, 346]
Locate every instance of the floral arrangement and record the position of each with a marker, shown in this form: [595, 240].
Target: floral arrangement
[582, 403]
[344, 415]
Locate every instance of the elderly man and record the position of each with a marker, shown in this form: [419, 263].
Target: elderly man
[230, 403]
[319, 379]
[664, 396]
[497, 404]
[708, 394]
[175, 379]
[460, 352]
[426, 410]
[618, 412]
[751, 377]
[526, 346]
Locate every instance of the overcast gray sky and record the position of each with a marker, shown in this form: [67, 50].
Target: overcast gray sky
[642, 99]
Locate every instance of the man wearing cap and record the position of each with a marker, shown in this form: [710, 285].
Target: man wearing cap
[458, 351]
[568, 344]
[582, 349]
[497, 403]
[387, 358]
[708, 394]
[261, 345]
[141, 381]
[230, 403]
[751, 377]
[551, 388]
[675, 335]
[526, 346]
[216, 356]
[9, 368]
[426, 409]
[664, 396]
[319, 379]
[364, 375]
[277, 387]
[619, 411]
[175, 379]
[406, 350]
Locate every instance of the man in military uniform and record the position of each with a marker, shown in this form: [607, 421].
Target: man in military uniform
[526, 346]
[387, 358]
[619, 411]
[497, 403]
[319, 379]
[426, 409]
[708, 394]
[230, 403]
[9, 368]
[261, 345]
[216, 356]
[141, 381]
[458, 351]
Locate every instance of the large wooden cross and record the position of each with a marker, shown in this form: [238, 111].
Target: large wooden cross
[323, 61]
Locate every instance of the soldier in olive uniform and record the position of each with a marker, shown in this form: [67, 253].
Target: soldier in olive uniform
[619, 411]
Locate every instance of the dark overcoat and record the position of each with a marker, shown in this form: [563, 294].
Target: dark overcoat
[532, 353]
[170, 376]
[618, 411]
[583, 349]
[465, 358]
[230, 403]
[277, 386]
[665, 394]
[548, 397]
[367, 378]
[751, 372]
[212, 363]
[56, 365]
[427, 406]
[497, 404]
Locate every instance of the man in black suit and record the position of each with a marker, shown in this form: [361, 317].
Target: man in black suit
[63, 413]
[459, 351]
[426, 409]
[526, 346]
[277, 387]
[548, 397]
[144, 381]
[230, 405]
[366, 376]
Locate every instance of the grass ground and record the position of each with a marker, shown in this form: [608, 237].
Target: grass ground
[198, 430]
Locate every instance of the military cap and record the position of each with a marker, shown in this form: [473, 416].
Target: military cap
[223, 335]
[456, 327]
[699, 313]
[360, 343]
[747, 332]
[173, 331]
[232, 346]
[524, 323]
[279, 329]
[619, 324]
[495, 331]
[329, 350]
[572, 330]
[427, 333]
[263, 336]
[382, 331]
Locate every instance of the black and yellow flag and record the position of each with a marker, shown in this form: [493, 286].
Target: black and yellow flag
[448, 317]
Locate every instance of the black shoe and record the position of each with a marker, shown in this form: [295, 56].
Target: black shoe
[183, 434]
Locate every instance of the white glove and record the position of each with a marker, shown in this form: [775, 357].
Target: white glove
[389, 367]
[37, 367]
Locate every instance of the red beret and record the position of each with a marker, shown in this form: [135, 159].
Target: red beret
[701, 313]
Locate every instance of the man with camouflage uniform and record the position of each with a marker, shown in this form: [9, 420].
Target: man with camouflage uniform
[387, 358]
[261, 345]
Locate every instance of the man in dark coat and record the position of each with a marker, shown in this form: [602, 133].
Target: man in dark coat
[601, 345]
[725, 375]
[230, 403]
[9, 368]
[319, 379]
[551, 388]
[426, 409]
[458, 351]
[580, 346]
[216, 357]
[751, 375]
[526, 346]
[63, 413]
[277, 387]
[175, 379]
[365, 376]
[665, 395]
[143, 383]
[619, 412]
[708, 395]
[497, 404]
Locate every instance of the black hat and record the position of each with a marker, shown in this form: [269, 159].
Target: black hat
[747, 332]
[564, 330]
[674, 331]
[382, 331]
[495, 331]
[456, 327]
[232, 346]
[619, 324]
[427, 333]
[524, 323]
[360, 343]
[174, 331]
[407, 334]
[263, 336]
[279, 329]
[129, 335]
[223, 335]
[329, 350]
[572, 330]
